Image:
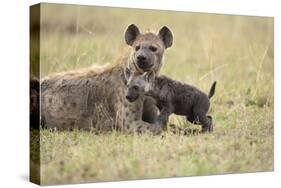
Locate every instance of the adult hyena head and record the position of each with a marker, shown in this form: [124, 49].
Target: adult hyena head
[147, 48]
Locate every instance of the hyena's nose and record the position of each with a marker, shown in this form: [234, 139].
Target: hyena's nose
[128, 97]
[141, 58]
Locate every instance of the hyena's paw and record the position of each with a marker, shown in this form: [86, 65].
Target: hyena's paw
[156, 129]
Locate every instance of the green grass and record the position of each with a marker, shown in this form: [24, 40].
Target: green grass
[244, 145]
[234, 50]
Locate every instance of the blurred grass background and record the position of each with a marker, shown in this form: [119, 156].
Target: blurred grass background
[237, 51]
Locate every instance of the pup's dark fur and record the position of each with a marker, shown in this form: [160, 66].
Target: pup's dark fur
[182, 99]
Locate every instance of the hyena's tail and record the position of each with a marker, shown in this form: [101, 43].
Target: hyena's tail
[212, 90]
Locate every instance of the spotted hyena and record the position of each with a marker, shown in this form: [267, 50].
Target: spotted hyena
[172, 97]
[96, 99]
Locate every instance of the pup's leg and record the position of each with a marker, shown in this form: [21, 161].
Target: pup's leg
[150, 110]
[164, 116]
[205, 121]
[211, 119]
[192, 119]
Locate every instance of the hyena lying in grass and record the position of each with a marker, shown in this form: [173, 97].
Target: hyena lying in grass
[171, 97]
[90, 99]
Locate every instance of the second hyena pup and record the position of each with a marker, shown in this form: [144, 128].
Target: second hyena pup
[134, 110]
[172, 97]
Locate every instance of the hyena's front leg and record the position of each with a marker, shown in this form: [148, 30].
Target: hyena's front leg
[143, 127]
[164, 117]
[150, 110]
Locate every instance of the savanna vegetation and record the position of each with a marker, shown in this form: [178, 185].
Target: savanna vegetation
[236, 51]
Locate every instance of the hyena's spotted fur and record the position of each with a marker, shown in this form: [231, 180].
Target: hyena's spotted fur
[133, 118]
[134, 122]
[96, 100]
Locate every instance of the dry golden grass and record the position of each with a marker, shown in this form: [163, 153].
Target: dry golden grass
[236, 51]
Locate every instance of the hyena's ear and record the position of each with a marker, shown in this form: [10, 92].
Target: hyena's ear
[166, 35]
[131, 34]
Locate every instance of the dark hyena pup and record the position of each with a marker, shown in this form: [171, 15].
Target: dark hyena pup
[172, 97]
[90, 99]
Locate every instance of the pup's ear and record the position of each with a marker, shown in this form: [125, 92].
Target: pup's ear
[127, 73]
[166, 35]
[131, 34]
[150, 78]
[144, 75]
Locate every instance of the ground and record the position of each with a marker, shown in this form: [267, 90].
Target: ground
[235, 51]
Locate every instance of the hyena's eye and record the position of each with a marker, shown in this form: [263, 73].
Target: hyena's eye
[137, 48]
[136, 88]
[153, 48]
